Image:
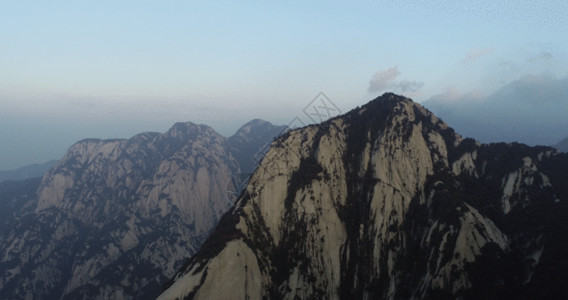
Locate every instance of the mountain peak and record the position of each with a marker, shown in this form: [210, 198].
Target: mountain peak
[385, 202]
[392, 104]
[186, 130]
[255, 125]
[120, 208]
[257, 122]
[253, 135]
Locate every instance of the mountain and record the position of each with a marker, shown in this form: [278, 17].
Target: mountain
[115, 219]
[388, 202]
[562, 145]
[530, 109]
[249, 139]
[31, 171]
[14, 195]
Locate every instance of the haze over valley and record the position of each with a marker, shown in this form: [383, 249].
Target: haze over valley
[112, 70]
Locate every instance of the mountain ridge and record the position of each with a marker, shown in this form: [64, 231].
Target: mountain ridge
[242, 143]
[26, 172]
[562, 145]
[387, 201]
[115, 218]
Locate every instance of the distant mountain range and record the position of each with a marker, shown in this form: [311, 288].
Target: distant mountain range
[31, 171]
[252, 138]
[115, 219]
[562, 145]
[388, 202]
[384, 202]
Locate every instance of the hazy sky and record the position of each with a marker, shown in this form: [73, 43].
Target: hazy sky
[78, 69]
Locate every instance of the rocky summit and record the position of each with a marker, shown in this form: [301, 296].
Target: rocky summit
[115, 219]
[388, 202]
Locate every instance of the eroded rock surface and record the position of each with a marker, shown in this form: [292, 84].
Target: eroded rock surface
[115, 219]
[388, 202]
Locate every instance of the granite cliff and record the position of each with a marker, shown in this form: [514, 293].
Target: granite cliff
[115, 219]
[388, 202]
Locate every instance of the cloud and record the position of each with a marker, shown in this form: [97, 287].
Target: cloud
[452, 94]
[531, 110]
[382, 80]
[387, 80]
[409, 86]
[475, 54]
[544, 56]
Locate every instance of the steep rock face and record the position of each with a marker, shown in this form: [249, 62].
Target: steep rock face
[388, 202]
[116, 218]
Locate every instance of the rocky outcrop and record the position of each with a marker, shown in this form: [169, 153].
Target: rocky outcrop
[388, 202]
[115, 219]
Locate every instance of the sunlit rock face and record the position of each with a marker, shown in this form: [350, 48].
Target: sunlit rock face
[115, 219]
[388, 202]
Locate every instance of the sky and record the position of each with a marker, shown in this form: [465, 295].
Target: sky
[71, 70]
